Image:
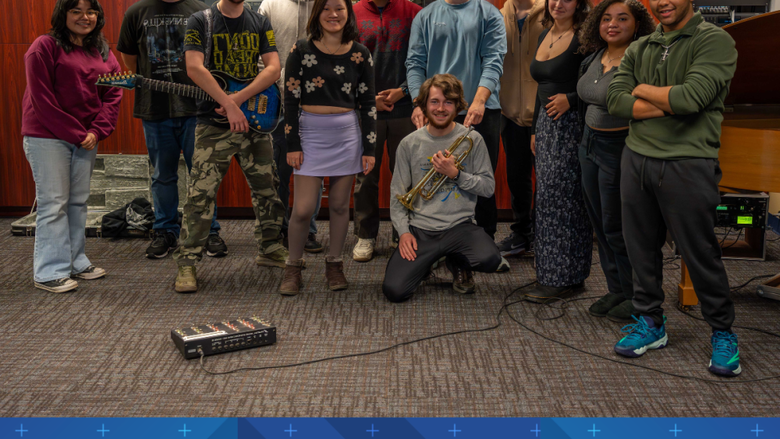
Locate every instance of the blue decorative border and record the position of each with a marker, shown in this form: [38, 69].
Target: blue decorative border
[388, 428]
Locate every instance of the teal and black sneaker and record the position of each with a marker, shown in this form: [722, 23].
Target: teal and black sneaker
[725, 354]
[641, 337]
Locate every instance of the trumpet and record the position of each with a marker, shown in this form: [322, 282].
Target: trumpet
[407, 200]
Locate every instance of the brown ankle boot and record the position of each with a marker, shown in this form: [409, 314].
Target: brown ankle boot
[291, 280]
[334, 272]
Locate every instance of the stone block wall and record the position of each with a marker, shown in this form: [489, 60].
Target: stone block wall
[116, 180]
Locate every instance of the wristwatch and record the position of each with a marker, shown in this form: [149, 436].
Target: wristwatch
[405, 90]
[457, 176]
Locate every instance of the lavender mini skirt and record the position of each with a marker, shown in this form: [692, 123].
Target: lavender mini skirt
[331, 144]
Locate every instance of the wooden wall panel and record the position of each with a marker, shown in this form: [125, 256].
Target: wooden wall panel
[16, 183]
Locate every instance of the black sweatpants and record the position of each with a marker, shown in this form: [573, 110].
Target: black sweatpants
[486, 212]
[519, 171]
[681, 195]
[466, 245]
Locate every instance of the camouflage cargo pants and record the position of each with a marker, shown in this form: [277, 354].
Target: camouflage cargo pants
[214, 150]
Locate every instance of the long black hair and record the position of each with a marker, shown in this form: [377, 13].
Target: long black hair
[314, 28]
[590, 37]
[59, 28]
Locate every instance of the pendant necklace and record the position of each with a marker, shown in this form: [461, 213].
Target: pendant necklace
[609, 59]
[230, 36]
[666, 48]
[327, 49]
[564, 33]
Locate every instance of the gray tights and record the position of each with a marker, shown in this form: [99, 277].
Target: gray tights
[307, 190]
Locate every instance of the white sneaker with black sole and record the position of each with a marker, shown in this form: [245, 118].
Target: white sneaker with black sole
[91, 273]
[58, 285]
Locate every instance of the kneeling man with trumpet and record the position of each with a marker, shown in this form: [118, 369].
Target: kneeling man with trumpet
[435, 217]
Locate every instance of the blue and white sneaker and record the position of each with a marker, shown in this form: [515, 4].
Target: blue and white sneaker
[641, 337]
[725, 354]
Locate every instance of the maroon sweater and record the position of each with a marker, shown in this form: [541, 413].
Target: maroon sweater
[386, 35]
[61, 100]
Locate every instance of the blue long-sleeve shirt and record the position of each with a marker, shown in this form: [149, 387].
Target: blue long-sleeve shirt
[466, 40]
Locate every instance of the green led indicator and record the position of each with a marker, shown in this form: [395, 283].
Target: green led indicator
[741, 207]
[722, 208]
[744, 220]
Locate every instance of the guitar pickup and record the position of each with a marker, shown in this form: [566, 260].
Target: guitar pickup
[257, 104]
[263, 105]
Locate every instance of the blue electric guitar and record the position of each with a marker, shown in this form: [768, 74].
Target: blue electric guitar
[262, 111]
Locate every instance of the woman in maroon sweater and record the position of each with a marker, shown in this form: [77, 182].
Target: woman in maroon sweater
[64, 116]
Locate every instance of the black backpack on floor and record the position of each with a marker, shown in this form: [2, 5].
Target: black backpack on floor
[135, 219]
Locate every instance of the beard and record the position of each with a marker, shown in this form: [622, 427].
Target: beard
[237, 2]
[440, 126]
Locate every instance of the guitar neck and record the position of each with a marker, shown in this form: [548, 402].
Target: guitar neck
[189, 91]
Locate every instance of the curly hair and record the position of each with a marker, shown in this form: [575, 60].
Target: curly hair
[60, 32]
[450, 86]
[580, 14]
[590, 37]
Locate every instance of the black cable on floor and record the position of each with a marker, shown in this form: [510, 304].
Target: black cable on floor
[505, 307]
[763, 276]
[362, 354]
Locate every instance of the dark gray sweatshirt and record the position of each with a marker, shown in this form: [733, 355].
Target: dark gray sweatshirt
[455, 201]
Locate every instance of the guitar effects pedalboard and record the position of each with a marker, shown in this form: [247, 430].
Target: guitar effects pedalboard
[227, 336]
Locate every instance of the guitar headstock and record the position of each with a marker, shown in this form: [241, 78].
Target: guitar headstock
[124, 80]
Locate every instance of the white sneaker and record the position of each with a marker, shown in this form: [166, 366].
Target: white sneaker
[503, 266]
[58, 285]
[91, 273]
[364, 250]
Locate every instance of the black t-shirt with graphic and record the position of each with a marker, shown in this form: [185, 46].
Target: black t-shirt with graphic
[154, 31]
[237, 45]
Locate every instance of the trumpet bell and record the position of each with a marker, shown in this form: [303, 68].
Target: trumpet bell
[406, 200]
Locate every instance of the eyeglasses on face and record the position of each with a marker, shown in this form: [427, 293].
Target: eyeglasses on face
[78, 13]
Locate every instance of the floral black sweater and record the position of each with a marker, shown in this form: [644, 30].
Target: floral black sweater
[313, 77]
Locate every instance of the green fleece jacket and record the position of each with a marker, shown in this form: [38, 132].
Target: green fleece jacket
[699, 67]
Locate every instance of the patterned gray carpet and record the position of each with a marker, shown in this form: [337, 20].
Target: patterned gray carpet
[105, 349]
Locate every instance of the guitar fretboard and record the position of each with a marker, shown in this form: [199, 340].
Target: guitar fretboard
[189, 91]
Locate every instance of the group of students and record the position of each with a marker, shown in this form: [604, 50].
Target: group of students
[620, 119]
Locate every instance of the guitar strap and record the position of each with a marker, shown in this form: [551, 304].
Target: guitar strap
[209, 14]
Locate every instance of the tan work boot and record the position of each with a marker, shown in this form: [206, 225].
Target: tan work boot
[185, 280]
[334, 273]
[275, 258]
[291, 280]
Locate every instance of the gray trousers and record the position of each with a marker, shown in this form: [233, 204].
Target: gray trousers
[680, 195]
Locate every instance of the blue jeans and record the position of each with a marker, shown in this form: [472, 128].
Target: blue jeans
[285, 172]
[165, 140]
[62, 172]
